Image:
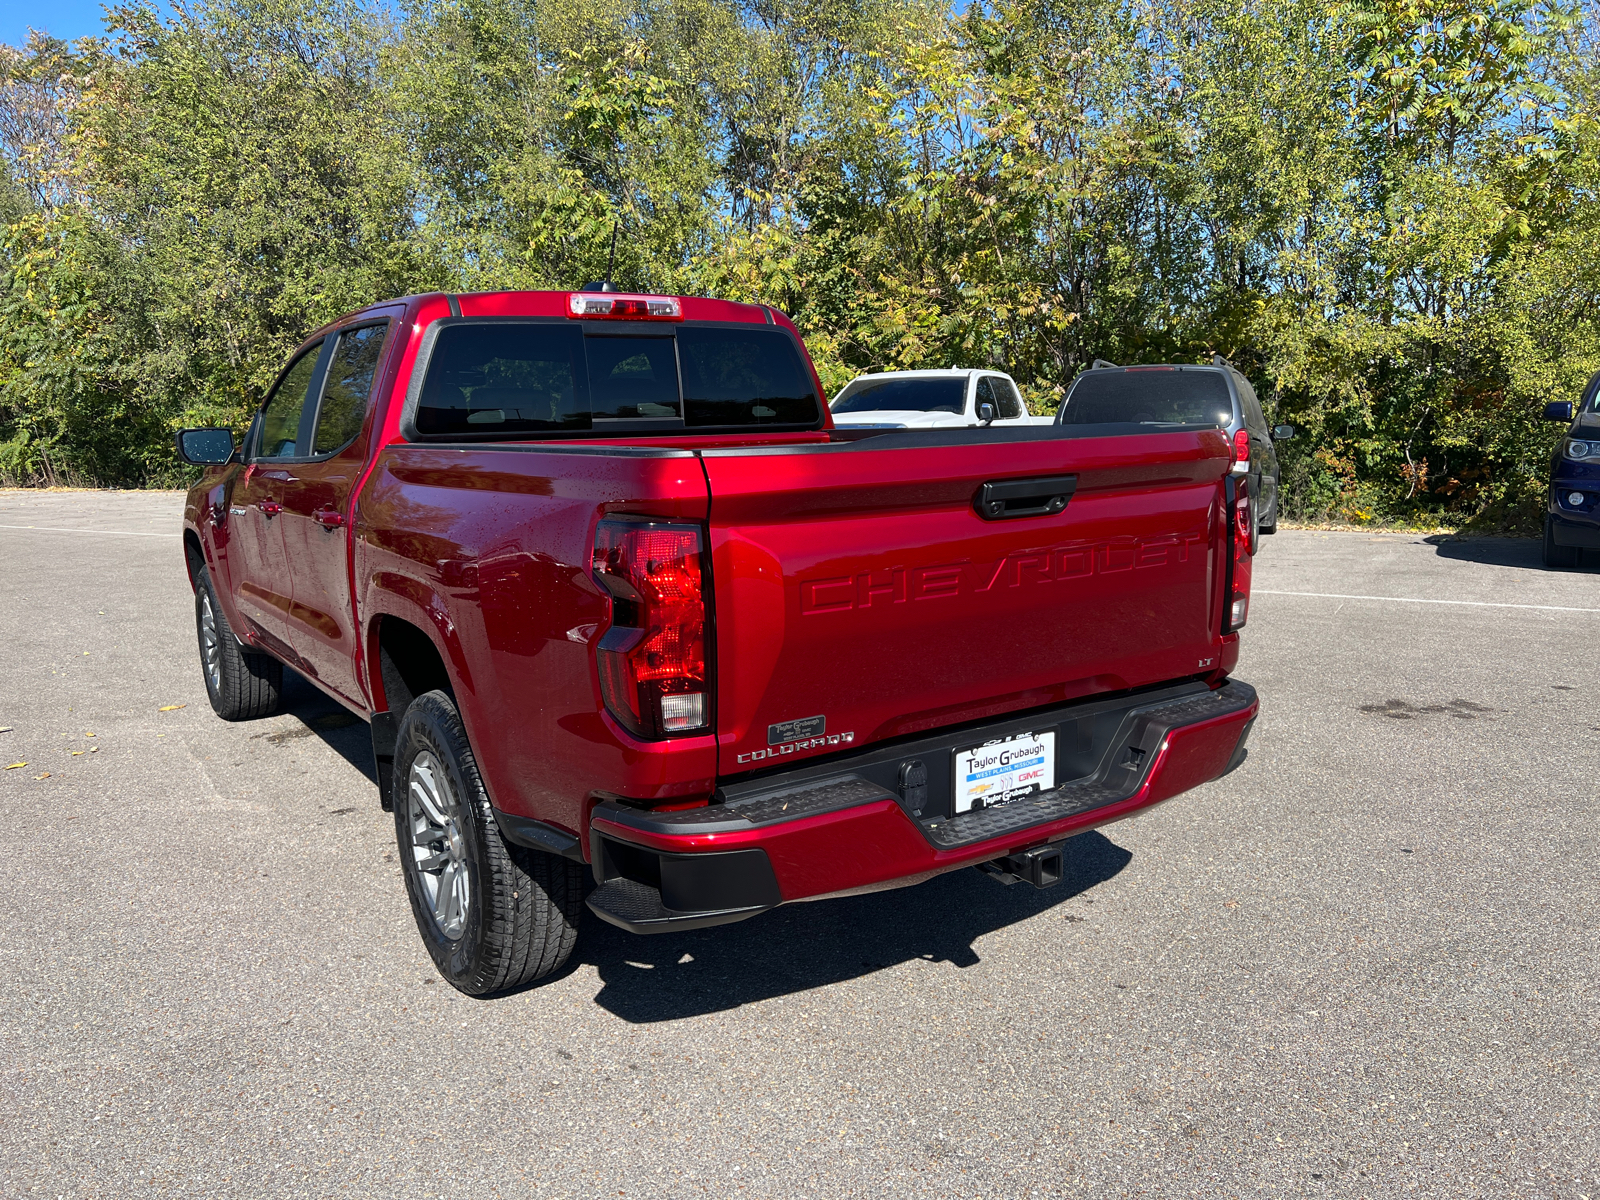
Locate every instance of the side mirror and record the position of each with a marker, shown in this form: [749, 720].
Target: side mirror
[1282, 433]
[1558, 410]
[205, 447]
[986, 412]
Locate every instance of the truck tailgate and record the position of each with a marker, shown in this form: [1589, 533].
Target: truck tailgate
[859, 594]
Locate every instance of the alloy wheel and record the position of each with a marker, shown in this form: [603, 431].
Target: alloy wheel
[438, 844]
[210, 643]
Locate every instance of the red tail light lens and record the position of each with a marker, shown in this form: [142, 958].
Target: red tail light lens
[1242, 532]
[653, 658]
[1241, 450]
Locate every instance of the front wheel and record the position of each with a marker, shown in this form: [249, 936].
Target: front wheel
[1557, 557]
[493, 915]
[240, 683]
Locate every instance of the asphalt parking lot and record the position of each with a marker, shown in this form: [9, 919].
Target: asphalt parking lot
[1362, 965]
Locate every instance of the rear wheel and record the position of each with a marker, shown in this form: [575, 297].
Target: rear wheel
[240, 684]
[493, 915]
[1269, 521]
[1554, 555]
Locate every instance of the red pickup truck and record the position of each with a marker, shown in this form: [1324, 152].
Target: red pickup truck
[614, 594]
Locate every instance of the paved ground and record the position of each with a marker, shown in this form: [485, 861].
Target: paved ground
[1363, 965]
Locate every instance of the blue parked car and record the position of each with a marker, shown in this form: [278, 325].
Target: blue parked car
[1572, 514]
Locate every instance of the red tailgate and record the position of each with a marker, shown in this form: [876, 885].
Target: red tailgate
[860, 596]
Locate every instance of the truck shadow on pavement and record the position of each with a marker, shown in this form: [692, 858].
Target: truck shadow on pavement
[346, 734]
[1526, 553]
[795, 948]
[665, 977]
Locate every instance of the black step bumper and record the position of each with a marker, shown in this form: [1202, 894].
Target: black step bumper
[854, 822]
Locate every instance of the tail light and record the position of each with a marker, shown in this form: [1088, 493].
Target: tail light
[1240, 535]
[653, 658]
[1241, 451]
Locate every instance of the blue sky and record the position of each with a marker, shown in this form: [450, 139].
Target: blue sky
[63, 18]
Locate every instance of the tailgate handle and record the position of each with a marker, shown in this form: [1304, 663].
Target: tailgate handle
[1039, 496]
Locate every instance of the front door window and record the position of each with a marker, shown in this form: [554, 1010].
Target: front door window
[344, 396]
[1005, 394]
[283, 418]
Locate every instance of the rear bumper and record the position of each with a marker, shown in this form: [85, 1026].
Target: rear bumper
[854, 823]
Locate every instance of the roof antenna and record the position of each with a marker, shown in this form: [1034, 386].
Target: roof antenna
[605, 285]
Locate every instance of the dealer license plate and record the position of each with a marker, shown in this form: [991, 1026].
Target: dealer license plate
[1004, 770]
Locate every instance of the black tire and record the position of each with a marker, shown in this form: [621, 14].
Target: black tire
[241, 684]
[1262, 526]
[1557, 557]
[521, 907]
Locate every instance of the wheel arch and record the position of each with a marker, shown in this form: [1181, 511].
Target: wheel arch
[194, 556]
[406, 663]
[403, 662]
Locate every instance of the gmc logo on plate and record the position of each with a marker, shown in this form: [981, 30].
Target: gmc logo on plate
[1071, 560]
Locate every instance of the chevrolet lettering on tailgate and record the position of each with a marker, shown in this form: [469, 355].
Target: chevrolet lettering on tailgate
[1069, 560]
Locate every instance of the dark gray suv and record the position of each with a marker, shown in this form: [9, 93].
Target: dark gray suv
[1185, 394]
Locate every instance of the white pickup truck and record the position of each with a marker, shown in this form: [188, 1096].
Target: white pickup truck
[943, 399]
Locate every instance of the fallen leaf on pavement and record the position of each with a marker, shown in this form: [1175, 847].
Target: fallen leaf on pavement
[75, 753]
[5, 728]
[46, 775]
[86, 733]
[14, 766]
[171, 707]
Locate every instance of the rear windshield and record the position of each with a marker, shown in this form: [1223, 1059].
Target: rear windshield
[508, 378]
[903, 395]
[1153, 396]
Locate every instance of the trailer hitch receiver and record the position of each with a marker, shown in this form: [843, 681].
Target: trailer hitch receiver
[1040, 866]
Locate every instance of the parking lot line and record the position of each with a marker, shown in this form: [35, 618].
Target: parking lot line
[1415, 600]
[70, 529]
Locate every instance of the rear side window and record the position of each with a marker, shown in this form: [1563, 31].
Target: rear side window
[744, 377]
[512, 378]
[281, 416]
[1253, 416]
[348, 388]
[1154, 396]
[904, 395]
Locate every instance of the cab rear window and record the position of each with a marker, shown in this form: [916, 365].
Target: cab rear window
[520, 378]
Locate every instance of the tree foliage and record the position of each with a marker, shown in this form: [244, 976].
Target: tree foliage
[1387, 212]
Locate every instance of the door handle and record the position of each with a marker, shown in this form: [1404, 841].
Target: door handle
[271, 507]
[1040, 496]
[328, 518]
